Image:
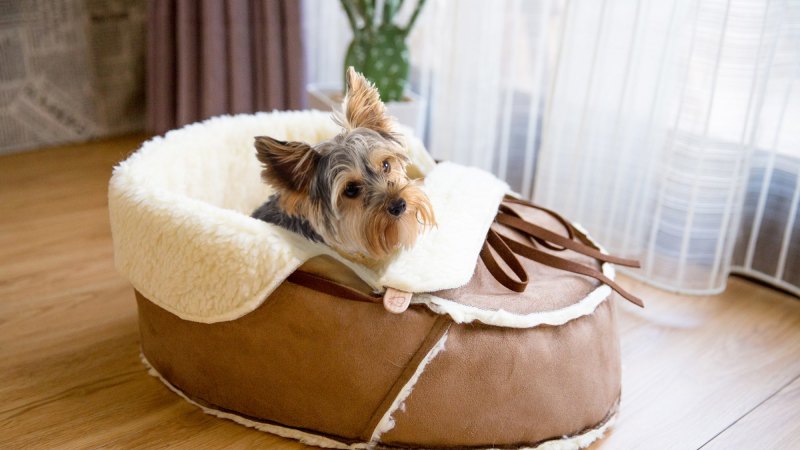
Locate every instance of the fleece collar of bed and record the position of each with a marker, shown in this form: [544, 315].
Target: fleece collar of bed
[180, 205]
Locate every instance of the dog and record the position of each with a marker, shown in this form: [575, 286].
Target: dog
[351, 192]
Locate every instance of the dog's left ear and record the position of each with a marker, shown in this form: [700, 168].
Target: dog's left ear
[363, 107]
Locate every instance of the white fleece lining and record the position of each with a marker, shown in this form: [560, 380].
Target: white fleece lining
[465, 202]
[179, 210]
[578, 441]
[387, 421]
[565, 443]
[184, 238]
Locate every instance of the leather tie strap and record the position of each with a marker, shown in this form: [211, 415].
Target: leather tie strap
[564, 222]
[331, 287]
[507, 248]
[494, 241]
[551, 260]
[542, 234]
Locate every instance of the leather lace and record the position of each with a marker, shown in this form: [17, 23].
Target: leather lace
[508, 248]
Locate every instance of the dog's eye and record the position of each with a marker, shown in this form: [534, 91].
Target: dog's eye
[386, 166]
[352, 190]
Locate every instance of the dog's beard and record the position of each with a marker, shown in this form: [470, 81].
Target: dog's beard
[383, 233]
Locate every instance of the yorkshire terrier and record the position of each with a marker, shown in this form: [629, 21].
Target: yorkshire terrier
[351, 192]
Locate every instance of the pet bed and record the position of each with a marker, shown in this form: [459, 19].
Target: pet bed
[255, 324]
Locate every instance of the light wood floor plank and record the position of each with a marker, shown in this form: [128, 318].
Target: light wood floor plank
[692, 366]
[758, 429]
[722, 369]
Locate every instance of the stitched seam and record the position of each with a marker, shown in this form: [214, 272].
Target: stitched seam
[437, 331]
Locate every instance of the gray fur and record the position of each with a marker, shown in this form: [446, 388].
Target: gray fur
[270, 212]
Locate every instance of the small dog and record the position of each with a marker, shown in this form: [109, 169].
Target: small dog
[350, 192]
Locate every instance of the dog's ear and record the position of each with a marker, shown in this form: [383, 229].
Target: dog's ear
[288, 166]
[363, 107]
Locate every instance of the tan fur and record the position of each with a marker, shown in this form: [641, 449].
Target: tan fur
[294, 203]
[396, 158]
[363, 107]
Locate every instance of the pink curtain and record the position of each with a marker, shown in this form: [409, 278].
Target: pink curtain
[211, 57]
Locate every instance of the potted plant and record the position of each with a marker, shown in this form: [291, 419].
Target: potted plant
[380, 52]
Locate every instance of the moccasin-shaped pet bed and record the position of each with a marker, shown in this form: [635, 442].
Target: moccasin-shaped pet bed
[255, 324]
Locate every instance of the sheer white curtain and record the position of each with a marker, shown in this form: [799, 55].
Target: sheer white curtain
[670, 129]
[478, 63]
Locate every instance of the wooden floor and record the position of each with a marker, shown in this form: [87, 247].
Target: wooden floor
[712, 372]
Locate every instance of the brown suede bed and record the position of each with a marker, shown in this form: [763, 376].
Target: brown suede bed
[336, 369]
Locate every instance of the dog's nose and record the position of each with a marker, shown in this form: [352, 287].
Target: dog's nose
[397, 207]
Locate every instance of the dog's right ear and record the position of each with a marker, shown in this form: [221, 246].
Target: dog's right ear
[288, 166]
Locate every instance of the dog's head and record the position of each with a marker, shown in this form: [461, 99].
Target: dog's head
[352, 189]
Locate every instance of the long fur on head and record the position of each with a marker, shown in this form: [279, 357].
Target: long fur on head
[314, 186]
[362, 107]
